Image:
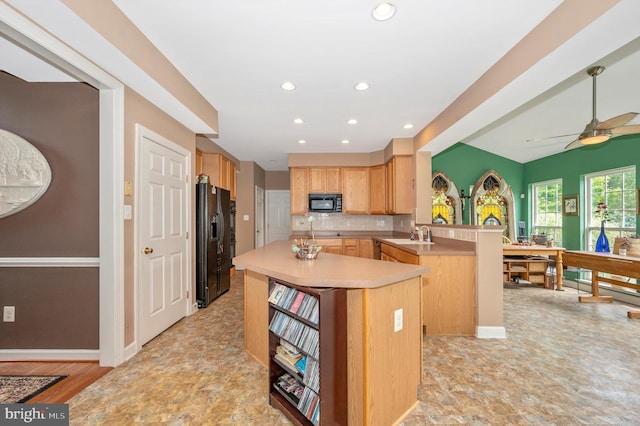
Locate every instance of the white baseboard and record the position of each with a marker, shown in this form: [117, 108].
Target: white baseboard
[130, 351]
[486, 332]
[49, 355]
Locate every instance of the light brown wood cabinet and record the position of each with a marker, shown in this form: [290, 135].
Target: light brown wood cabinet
[299, 177]
[378, 189]
[365, 246]
[399, 185]
[325, 180]
[448, 291]
[351, 247]
[330, 245]
[355, 190]
[220, 169]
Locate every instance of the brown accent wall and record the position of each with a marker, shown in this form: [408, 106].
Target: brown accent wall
[55, 307]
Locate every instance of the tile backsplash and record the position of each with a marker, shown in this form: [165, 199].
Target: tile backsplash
[343, 222]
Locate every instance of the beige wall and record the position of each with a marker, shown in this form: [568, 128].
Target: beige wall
[336, 159]
[250, 175]
[107, 19]
[138, 110]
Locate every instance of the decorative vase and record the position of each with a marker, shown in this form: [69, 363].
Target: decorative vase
[602, 244]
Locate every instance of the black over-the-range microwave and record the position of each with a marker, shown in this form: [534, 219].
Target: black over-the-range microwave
[327, 203]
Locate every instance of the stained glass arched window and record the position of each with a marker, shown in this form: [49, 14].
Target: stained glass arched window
[445, 201]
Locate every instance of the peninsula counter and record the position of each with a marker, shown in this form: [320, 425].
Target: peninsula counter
[383, 333]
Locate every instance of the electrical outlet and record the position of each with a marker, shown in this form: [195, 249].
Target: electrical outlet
[9, 314]
[397, 320]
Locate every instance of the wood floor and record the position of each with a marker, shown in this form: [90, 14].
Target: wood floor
[81, 375]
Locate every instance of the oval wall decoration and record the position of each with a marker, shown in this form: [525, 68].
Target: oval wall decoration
[25, 174]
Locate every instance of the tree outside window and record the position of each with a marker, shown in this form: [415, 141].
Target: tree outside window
[616, 190]
[547, 210]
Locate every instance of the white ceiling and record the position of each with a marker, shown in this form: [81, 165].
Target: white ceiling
[237, 53]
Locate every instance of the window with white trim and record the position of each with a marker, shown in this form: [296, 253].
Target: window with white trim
[615, 188]
[547, 210]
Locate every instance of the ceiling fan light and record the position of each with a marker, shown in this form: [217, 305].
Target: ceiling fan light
[593, 140]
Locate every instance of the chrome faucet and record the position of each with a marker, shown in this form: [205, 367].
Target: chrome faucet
[421, 235]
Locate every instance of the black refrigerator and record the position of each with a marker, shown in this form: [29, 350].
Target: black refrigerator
[213, 243]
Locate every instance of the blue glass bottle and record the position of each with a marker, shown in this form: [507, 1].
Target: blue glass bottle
[602, 244]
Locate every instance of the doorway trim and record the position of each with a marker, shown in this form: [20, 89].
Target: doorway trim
[24, 32]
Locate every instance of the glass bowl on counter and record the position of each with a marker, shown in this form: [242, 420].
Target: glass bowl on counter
[306, 250]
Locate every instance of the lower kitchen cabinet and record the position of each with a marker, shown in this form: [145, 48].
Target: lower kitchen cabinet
[448, 291]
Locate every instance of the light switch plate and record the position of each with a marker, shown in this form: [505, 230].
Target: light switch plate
[9, 314]
[397, 320]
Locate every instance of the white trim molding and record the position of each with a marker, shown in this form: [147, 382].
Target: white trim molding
[487, 332]
[49, 355]
[49, 262]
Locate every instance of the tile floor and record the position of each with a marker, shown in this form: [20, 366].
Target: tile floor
[563, 363]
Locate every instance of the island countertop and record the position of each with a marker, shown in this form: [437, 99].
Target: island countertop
[328, 270]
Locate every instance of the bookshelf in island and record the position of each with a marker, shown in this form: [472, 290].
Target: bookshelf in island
[366, 343]
[308, 353]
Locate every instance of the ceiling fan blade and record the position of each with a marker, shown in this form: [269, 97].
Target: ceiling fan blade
[574, 144]
[626, 130]
[551, 137]
[618, 121]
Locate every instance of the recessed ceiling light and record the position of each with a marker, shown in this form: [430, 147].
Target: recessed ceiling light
[408, 126]
[361, 86]
[352, 121]
[298, 120]
[345, 141]
[383, 11]
[287, 85]
[302, 141]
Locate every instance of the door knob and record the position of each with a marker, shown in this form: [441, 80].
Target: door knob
[148, 250]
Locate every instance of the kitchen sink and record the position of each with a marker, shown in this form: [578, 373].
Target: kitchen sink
[405, 241]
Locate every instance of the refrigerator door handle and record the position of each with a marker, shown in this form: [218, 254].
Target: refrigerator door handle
[221, 236]
[213, 232]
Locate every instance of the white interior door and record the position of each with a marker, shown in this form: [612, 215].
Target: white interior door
[278, 215]
[162, 221]
[259, 216]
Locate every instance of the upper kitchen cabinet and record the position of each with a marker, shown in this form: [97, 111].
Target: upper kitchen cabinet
[325, 180]
[221, 170]
[399, 185]
[355, 190]
[377, 192]
[299, 177]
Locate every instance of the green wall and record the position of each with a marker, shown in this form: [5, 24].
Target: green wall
[465, 164]
[571, 166]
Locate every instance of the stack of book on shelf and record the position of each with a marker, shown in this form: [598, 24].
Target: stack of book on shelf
[295, 301]
[288, 355]
[303, 397]
[290, 388]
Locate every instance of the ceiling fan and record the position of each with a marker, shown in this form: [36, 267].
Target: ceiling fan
[596, 132]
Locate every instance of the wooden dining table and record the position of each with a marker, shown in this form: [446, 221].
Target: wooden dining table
[606, 263]
[537, 250]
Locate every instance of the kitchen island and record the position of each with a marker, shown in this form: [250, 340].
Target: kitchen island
[382, 327]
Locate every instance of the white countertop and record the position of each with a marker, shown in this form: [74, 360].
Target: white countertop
[328, 270]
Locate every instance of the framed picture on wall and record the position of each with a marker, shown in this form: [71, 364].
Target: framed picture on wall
[570, 205]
